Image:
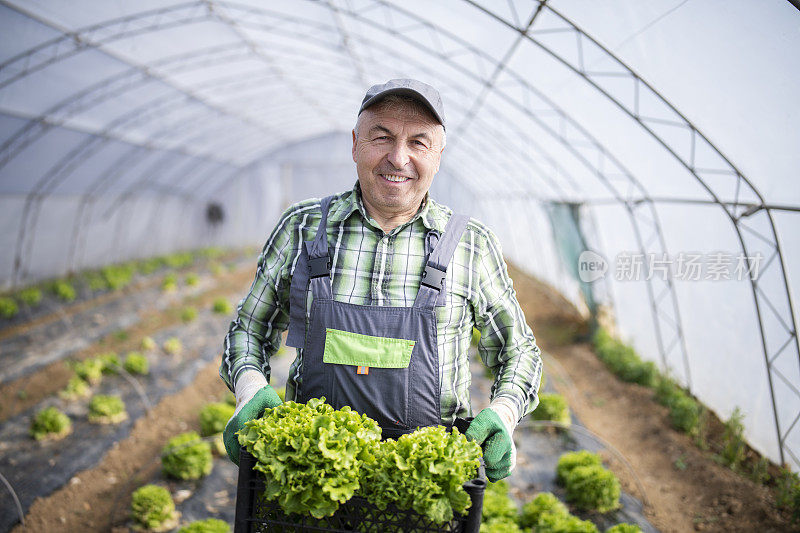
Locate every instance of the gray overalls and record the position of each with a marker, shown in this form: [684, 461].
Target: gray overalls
[381, 361]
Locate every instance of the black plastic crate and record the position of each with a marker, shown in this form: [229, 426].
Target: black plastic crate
[255, 514]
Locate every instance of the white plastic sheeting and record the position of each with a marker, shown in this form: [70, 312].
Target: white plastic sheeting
[673, 122]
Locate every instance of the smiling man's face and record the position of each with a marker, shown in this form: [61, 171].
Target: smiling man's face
[397, 150]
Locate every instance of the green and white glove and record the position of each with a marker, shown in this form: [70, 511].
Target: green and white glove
[253, 395]
[493, 428]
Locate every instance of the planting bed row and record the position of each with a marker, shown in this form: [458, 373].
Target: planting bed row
[73, 327]
[538, 451]
[213, 496]
[30, 305]
[36, 469]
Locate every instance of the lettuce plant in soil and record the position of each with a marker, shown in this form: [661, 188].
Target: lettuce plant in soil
[30, 296]
[593, 488]
[500, 525]
[570, 460]
[552, 407]
[117, 276]
[179, 259]
[186, 456]
[50, 424]
[170, 283]
[566, 523]
[214, 417]
[76, 388]
[222, 306]
[110, 362]
[188, 314]
[96, 281]
[136, 363]
[148, 266]
[209, 525]
[497, 503]
[89, 370]
[148, 344]
[684, 413]
[624, 528]
[544, 502]
[63, 290]
[107, 409]
[8, 307]
[153, 509]
[173, 346]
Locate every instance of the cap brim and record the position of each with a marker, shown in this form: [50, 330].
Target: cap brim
[402, 91]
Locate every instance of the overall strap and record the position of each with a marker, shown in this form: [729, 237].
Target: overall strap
[433, 276]
[312, 263]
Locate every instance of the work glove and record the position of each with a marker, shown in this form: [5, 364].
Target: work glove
[253, 395]
[493, 432]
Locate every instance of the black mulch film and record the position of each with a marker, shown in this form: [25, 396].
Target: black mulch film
[37, 469]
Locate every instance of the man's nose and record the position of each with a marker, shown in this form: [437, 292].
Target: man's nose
[398, 156]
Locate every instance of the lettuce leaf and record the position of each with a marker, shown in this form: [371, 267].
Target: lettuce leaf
[311, 455]
[424, 471]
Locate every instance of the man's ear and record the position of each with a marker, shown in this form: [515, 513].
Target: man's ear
[354, 145]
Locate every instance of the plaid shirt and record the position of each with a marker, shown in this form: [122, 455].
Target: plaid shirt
[371, 267]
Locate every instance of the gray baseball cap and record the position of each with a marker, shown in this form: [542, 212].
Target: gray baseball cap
[422, 92]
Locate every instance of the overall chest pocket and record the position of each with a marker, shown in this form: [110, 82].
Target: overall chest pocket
[370, 374]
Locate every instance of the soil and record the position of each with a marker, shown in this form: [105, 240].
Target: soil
[684, 488]
[90, 500]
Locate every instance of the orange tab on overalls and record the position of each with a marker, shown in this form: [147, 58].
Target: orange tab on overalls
[364, 370]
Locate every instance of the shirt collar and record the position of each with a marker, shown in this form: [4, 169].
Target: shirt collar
[431, 213]
[345, 205]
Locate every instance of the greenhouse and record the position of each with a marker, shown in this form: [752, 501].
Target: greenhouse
[636, 161]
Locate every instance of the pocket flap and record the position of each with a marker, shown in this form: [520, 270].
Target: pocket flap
[348, 348]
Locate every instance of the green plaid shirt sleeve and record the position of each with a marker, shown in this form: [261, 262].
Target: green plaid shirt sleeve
[370, 267]
[263, 314]
[507, 345]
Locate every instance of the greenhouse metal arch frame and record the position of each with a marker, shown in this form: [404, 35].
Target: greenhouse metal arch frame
[738, 212]
[154, 22]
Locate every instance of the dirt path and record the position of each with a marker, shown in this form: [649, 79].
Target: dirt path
[686, 488]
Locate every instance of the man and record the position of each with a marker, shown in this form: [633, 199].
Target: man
[380, 288]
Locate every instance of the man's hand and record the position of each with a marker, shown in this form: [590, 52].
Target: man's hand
[250, 404]
[499, 452]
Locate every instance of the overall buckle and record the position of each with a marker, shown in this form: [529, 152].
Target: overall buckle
[433, 277]
[319, 266]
